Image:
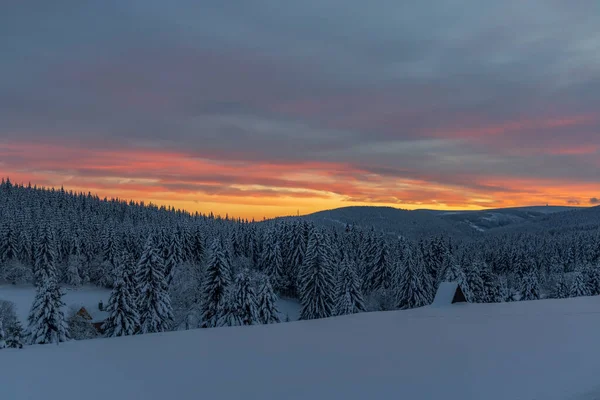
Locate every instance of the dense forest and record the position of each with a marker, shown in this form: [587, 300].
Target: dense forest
[169, 269]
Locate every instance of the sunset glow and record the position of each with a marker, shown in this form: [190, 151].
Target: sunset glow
[254, 114]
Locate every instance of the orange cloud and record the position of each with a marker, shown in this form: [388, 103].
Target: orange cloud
[256, 190]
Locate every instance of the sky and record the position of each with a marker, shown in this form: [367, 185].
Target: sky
[265, 108]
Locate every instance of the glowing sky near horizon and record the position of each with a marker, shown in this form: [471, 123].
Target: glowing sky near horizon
[267, 108]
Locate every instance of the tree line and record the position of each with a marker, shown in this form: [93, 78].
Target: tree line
[169, 269]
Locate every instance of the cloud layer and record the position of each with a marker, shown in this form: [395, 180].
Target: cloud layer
[260, 110]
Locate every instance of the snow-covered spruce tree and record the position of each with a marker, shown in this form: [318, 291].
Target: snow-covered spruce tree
[504, 290]
[267, 303]
[412, 292]
[8, 243]
[46, 257]
[2, 336]
[185, 290]
[154, 303]
[217, 279]
[316, 279]
[348, 297]
[111, 252]
[129, 275]
[491, 287]
[530, 286]
[46, 319]
[14, 335]
[562, 290]
[453, 272]
[592, 273]
[173, 257]
[241, 307]
[272, 263]
[580, 286]
[475, 284]
[15, 272]
[73, 266]
[296, 255]
[228, 313]
[368, 250]
[197, 244]
[246, 298]
[379, 275]
[123, 318]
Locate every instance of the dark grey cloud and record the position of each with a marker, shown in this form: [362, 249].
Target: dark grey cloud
[594, 200]
[443, 90]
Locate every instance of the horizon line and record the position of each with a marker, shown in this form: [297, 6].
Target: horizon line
[264, 218]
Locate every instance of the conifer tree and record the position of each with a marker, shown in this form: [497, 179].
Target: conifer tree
[2, 336]
[348, 299]
[46, 319]
[228, 313]
[580, 286]
[412, 291]
[380, 274]
[14, 335]
[241, 306]
[504, 291]
[272, 264]
[491, 287]
[123, 318]
[8, 243]
[297, 254]
[246, 298]
[173, 258]
[217, 279]
[316, 280]
[593, 279]
[267, 303]
[453, 272]
[45, 258]
[475, 284]
[74, 263]
[561, 289]
[197, 244]
[154, 303]
[530, 286]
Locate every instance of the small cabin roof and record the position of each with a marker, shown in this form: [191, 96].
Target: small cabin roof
[445, 293]
[92, 311]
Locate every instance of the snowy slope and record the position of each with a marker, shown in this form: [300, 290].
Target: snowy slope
[540, 350]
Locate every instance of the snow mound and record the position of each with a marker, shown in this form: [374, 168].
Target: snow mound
[527, 350]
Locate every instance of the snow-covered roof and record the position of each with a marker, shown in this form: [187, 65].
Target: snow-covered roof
[445, 294]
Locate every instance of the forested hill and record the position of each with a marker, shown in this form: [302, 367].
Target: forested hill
[181, 271]
[394, 221]
[418, 224]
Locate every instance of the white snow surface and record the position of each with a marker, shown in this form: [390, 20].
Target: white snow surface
[537, 350]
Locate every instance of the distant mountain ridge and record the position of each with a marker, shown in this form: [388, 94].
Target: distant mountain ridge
[423, 223]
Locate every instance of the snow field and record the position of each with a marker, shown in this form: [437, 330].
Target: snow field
[537, 350]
